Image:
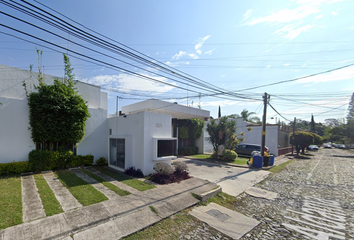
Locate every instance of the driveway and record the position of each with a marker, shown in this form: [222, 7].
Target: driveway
[233, 180]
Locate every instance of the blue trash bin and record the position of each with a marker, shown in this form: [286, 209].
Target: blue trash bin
[257, 162]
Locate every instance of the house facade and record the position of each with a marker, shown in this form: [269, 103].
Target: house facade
[15, 137]
[252, 134]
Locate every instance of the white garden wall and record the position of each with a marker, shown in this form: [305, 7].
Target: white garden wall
[15, 138]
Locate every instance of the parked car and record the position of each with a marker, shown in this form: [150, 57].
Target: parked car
[341, 146]
[312, 148]
[327, 145]
[247, 149]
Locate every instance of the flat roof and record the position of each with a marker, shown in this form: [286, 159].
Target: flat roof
[174, 109]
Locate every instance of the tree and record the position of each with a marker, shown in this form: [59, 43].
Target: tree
[301, 139]
[223, 132]
[312, 124]
[351, 108]
[58, 113]
[247, 116]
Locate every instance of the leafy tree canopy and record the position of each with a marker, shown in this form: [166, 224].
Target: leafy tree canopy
[57, 112]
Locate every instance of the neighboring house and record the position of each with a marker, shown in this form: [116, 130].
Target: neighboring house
[253, 136]
[15, 138]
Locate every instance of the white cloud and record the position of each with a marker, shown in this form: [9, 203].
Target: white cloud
[291, 32]
[285, 16]
[201, 42]
[222, 103]
[194, 56]
[319, 16]
[179, 55]
[130, 83]
[199, 52]
[334, 13]
[247, 14]
[339, 75]
[286, 64]
[210, 51]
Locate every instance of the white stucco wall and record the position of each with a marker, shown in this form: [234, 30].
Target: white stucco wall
[156, 125]
[15, 138]
[254, 136]
[141, 127]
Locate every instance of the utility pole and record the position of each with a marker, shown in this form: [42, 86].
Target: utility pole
[292, 142]
[117, 106]
[264, 122]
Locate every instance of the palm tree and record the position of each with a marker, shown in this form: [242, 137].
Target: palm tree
[247, 116]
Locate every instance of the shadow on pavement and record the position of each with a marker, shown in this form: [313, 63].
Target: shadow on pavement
[340, 156]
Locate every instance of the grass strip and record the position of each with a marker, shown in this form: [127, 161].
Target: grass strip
[225, 200]
[81, 190]
[238, 160]
[49, 201]
[10, 201]
[132, 182]
[280, 167]
[111, 186]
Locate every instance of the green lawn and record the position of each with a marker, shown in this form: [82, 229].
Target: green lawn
[81, 190]
[111, 186]
[280, 167]
[49, 201]
[132, 182]
[10, 201]
[238, 160]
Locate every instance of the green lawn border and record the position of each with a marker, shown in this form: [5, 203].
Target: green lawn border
[11, 201]
[280, 167]
[81, 190]
[130, 181]
[50, 203]
[109, 185]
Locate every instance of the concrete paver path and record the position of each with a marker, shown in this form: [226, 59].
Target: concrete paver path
[65, 198]
[114, 218]
[113, 181]
[32, 207]
[99, 186]
[229, 222]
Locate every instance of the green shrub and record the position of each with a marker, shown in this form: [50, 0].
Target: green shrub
[101, 161]
[229, 155]
[80, 160]
[14, 168]
[42, 160]
[187, 151]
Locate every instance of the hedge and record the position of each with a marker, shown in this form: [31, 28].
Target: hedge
[14, 167]
[42, 160]
[187, 151]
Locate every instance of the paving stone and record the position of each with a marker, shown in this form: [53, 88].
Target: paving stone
[99, 186]
[229, 222]
[65, 198]
[32, 207]
[113, 181]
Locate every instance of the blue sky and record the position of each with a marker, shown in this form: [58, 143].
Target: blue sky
[234, 45]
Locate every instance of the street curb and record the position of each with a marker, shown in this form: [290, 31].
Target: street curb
[210, 194]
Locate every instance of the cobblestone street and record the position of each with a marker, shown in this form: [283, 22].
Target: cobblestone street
[316, 199]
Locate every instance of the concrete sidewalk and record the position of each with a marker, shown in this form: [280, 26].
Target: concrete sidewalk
[114, 218]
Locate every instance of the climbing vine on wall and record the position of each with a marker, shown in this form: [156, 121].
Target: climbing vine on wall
[190, 128]
[58, 113]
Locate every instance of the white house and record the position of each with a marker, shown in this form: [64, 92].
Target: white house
[15, 138]
[253, 136]
[144, 135]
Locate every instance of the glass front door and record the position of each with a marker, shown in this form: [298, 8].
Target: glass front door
[117, 152]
